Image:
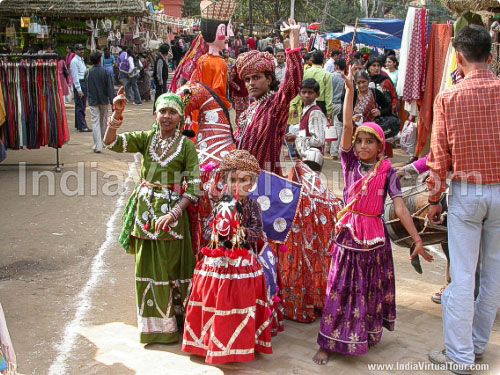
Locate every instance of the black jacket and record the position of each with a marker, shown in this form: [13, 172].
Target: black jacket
[164, 69]
[384, 106]
[100, 89]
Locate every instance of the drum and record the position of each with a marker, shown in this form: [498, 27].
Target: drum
[313, 158]
[415, 199]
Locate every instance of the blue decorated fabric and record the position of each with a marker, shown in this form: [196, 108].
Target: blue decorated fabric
[268, 262]
[278, 199]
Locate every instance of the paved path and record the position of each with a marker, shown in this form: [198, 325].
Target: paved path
[67, 287]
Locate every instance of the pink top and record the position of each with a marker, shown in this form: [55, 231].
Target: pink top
[421, 165]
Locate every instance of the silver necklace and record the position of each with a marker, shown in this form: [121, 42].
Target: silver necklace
[163, 144]
[248, 117]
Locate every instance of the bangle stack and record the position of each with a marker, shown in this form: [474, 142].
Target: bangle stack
[176, 212]
[114, 123]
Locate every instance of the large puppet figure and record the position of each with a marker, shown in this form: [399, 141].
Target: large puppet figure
[211, 69]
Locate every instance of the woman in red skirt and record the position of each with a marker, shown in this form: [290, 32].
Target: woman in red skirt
[228, 315]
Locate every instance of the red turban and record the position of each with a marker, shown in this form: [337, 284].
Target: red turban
[254, 62]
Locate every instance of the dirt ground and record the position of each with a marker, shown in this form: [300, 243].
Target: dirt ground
[67, 287]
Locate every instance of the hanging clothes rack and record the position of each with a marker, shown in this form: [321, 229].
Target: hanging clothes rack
[34, 103]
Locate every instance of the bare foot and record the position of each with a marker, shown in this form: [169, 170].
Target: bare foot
[321, 357]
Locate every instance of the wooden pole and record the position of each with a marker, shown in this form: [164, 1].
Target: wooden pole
[354, 34]
[250, 17]
[292, 9]
[353, 43]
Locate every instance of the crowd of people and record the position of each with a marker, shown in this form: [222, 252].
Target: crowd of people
[286, 95]
[139, 73]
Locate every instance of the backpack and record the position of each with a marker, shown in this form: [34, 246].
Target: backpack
[123, 64]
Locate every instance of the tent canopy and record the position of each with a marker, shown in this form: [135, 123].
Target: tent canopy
[391, 26]
[370, 38]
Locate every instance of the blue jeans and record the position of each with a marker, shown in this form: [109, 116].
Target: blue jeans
[473, 230]
[132, 90]
[159, 90]
[80, 104]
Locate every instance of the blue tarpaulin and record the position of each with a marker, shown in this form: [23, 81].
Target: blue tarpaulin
[391, 26]
[370, 38]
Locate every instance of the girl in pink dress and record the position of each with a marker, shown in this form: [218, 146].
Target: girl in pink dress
[360, 295]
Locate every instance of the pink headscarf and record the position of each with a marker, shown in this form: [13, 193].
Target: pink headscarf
[372, 128]
[254, 62]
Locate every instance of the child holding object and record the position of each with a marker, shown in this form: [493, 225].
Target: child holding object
[228, 315]
[360, 297]
[311, 133]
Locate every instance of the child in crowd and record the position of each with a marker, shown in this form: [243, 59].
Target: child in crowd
[360, 297]
[309, 136]
[228, 317]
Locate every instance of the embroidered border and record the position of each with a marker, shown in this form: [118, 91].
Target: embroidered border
[111, 145]
[157, 325]
[217, 275]
[124, 142]
[346, 342]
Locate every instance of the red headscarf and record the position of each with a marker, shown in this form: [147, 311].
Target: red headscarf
[254, 62]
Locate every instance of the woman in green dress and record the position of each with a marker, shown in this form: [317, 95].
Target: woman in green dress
[156, 223]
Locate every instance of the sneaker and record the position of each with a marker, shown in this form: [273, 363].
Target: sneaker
[85, 130]
[478, 356]
[436, 297]
[439, 357]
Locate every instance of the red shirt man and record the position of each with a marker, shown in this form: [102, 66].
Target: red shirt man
[251, 43]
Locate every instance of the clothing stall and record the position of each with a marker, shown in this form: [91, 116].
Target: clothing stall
[32, 97]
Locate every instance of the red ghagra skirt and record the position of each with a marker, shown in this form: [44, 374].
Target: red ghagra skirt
[228, 317]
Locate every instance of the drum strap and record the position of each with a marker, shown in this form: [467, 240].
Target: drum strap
[361, 213]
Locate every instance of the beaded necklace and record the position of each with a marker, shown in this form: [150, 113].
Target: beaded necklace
[163, 144]
[365, 167]
[247, 116]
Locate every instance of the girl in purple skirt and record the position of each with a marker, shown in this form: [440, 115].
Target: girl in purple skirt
[360, 297]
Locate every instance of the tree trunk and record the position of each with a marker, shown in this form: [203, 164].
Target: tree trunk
[364, 7]
[250, 18]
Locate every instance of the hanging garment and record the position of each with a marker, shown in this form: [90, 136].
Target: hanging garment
[34, 102]
[405, 49]
[415, 72]
[436, 57]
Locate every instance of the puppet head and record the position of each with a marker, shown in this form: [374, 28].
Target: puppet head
[215, 21]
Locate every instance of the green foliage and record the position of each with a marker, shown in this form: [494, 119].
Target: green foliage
[344, 11]
[338, 12]
[437, 11]
[191, 8]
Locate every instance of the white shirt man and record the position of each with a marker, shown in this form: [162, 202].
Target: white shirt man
[280, 69]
